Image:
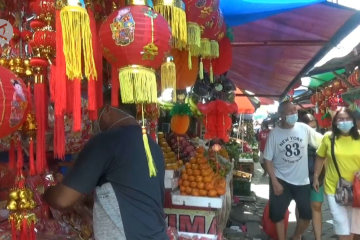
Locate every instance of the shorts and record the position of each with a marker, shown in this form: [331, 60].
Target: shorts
[344, 217]
[261, 157]
[317, 196]
[279, 204]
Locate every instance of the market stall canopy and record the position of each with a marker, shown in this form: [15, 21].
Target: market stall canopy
[237, 12]
[270, 55]
[244, 104]
[322, 79]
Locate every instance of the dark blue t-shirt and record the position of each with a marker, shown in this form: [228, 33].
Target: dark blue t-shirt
[128, 204]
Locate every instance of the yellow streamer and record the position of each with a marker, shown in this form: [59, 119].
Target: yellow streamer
[151, 164]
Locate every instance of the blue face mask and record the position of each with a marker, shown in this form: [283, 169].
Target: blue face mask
[291, 119]
[345, 126]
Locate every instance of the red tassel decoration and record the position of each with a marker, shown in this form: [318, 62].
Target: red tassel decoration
[99, 70]
[40, 116]
[92, 105]
[31, 158]
[77, 105]
[70, 96]
[13, 228]
[20, 156]
[52, 82]
[12, 158]
[32, 231]
[59, 139]
[24, 232]
[93, 115]
[115, 87]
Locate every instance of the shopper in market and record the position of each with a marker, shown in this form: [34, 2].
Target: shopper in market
[262, 137]
[286, 160]
[346, 139]
[128, 204]
[317, 198]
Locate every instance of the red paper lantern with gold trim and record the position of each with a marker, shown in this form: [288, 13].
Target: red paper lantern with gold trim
[214, 28]
[328, 91]
[200, 11]
[14, 102]
[223, 63]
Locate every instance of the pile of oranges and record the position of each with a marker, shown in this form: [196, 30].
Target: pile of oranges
[199, 179]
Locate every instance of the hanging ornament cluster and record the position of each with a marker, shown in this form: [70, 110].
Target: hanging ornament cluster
[354, 78]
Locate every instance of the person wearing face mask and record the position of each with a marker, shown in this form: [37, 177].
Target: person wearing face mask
[128, 204]
[317, 198]
[346, 139]
[286, 161]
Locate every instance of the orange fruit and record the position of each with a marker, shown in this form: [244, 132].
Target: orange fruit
[200, 150]
[205, 173]
[187, 165]
[209, 186]
[183, 194]
[199, 185]
[207, 179]
[198, 178]
[212, 193]
[183, 171]
[189, 172]
[191, 178]
[181, 162]
[192, 160]
[194, 167]
[203, 192]
[195, 192]
[180, 182]
[193, 184]
[220, 190]
[186, 183]
[188, 190]
[197, 172]
[199, 155]
[185, 176]
[182, 189]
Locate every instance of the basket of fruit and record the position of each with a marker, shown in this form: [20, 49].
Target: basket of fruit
[246, 157]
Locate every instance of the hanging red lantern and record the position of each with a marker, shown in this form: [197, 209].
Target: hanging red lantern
[223, 63]
[328, 91]
[341, 91]
[135, 40]
[215, 28]
[43, 44]
[14, 102]
[319, 97]
[336, 85]
[313, 99]
[353, 79]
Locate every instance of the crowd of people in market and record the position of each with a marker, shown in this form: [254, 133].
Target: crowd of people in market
[305, 164]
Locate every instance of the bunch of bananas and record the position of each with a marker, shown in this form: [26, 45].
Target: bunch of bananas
[193, 106]
[167, 106]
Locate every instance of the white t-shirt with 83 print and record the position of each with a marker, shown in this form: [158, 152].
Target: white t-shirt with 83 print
[288, 150]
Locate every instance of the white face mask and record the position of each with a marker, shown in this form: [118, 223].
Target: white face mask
[97, 128]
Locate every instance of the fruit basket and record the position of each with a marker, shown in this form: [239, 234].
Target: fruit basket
[197, 201]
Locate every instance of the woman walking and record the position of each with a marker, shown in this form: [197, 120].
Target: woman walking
[343, 143]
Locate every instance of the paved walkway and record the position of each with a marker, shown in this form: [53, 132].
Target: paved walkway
[248, 215]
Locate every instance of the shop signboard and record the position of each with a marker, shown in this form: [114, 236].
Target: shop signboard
[194, 221]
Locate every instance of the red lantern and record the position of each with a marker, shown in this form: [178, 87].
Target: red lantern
[223, 63]
[354, 78]
[200, 11]
[136, 40]
[215, 28]
[14, 102]
[43, 43]
[313, 99]
[336, 85]
[328, 91]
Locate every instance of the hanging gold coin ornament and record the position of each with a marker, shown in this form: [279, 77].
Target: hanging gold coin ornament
[174, 12]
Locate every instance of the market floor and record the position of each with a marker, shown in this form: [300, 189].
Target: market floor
[247, 216]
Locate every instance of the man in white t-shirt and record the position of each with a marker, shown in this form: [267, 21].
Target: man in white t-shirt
[286, 160]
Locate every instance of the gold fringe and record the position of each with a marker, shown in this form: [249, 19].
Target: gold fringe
[214, 46]
[176, 18]
[211, 73]
[138, 85]
[205, 51]
[201, 69]
[194, 36]
[189, 60]
[168, 77]
[77, 42]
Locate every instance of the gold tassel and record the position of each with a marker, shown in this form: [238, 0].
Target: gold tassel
[151, 164]
[138, 84]
[194, 36]
[189, 60]
[201, 69]
[211, 73]
[77, 42]
[205, 51]
[174, 12]
[214, 46]
[168, 77]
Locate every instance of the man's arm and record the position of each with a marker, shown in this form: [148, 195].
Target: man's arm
[269, 154]
[91, 164]
[315, 138]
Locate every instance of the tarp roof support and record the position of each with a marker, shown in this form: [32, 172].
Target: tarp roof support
[291, 43]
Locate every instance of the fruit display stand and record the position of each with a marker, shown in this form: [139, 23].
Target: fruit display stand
[245, 163]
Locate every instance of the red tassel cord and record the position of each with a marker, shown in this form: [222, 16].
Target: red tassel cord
[99, 70]
[70, 96]
[12, 157]
[77, 105]
[20, 156]
[59, 139]
[40, 116]
[32, 231]
[46, 101]
[92, 105]
[13, 228]
[24, 230]
[115, 87]
[31, 158]
[52, 82]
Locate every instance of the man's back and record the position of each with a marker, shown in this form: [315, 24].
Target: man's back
[128, 203]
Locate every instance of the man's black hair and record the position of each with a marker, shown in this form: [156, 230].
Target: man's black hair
[354, 133]
[282, 105]
[265, 124]
[128, 108]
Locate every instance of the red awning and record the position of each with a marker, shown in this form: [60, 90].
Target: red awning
[265, 101]
[244, 104]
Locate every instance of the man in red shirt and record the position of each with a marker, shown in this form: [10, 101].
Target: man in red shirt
[262, 137]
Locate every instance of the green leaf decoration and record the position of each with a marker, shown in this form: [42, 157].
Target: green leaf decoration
[326, 115]
[181, 109]
[229, 33]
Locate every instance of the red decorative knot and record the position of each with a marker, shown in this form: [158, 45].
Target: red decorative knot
[216, 147]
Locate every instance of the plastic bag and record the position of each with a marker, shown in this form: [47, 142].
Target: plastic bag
[268, 226]
[356, 193]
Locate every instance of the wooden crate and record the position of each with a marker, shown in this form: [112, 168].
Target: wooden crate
[246, 167]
